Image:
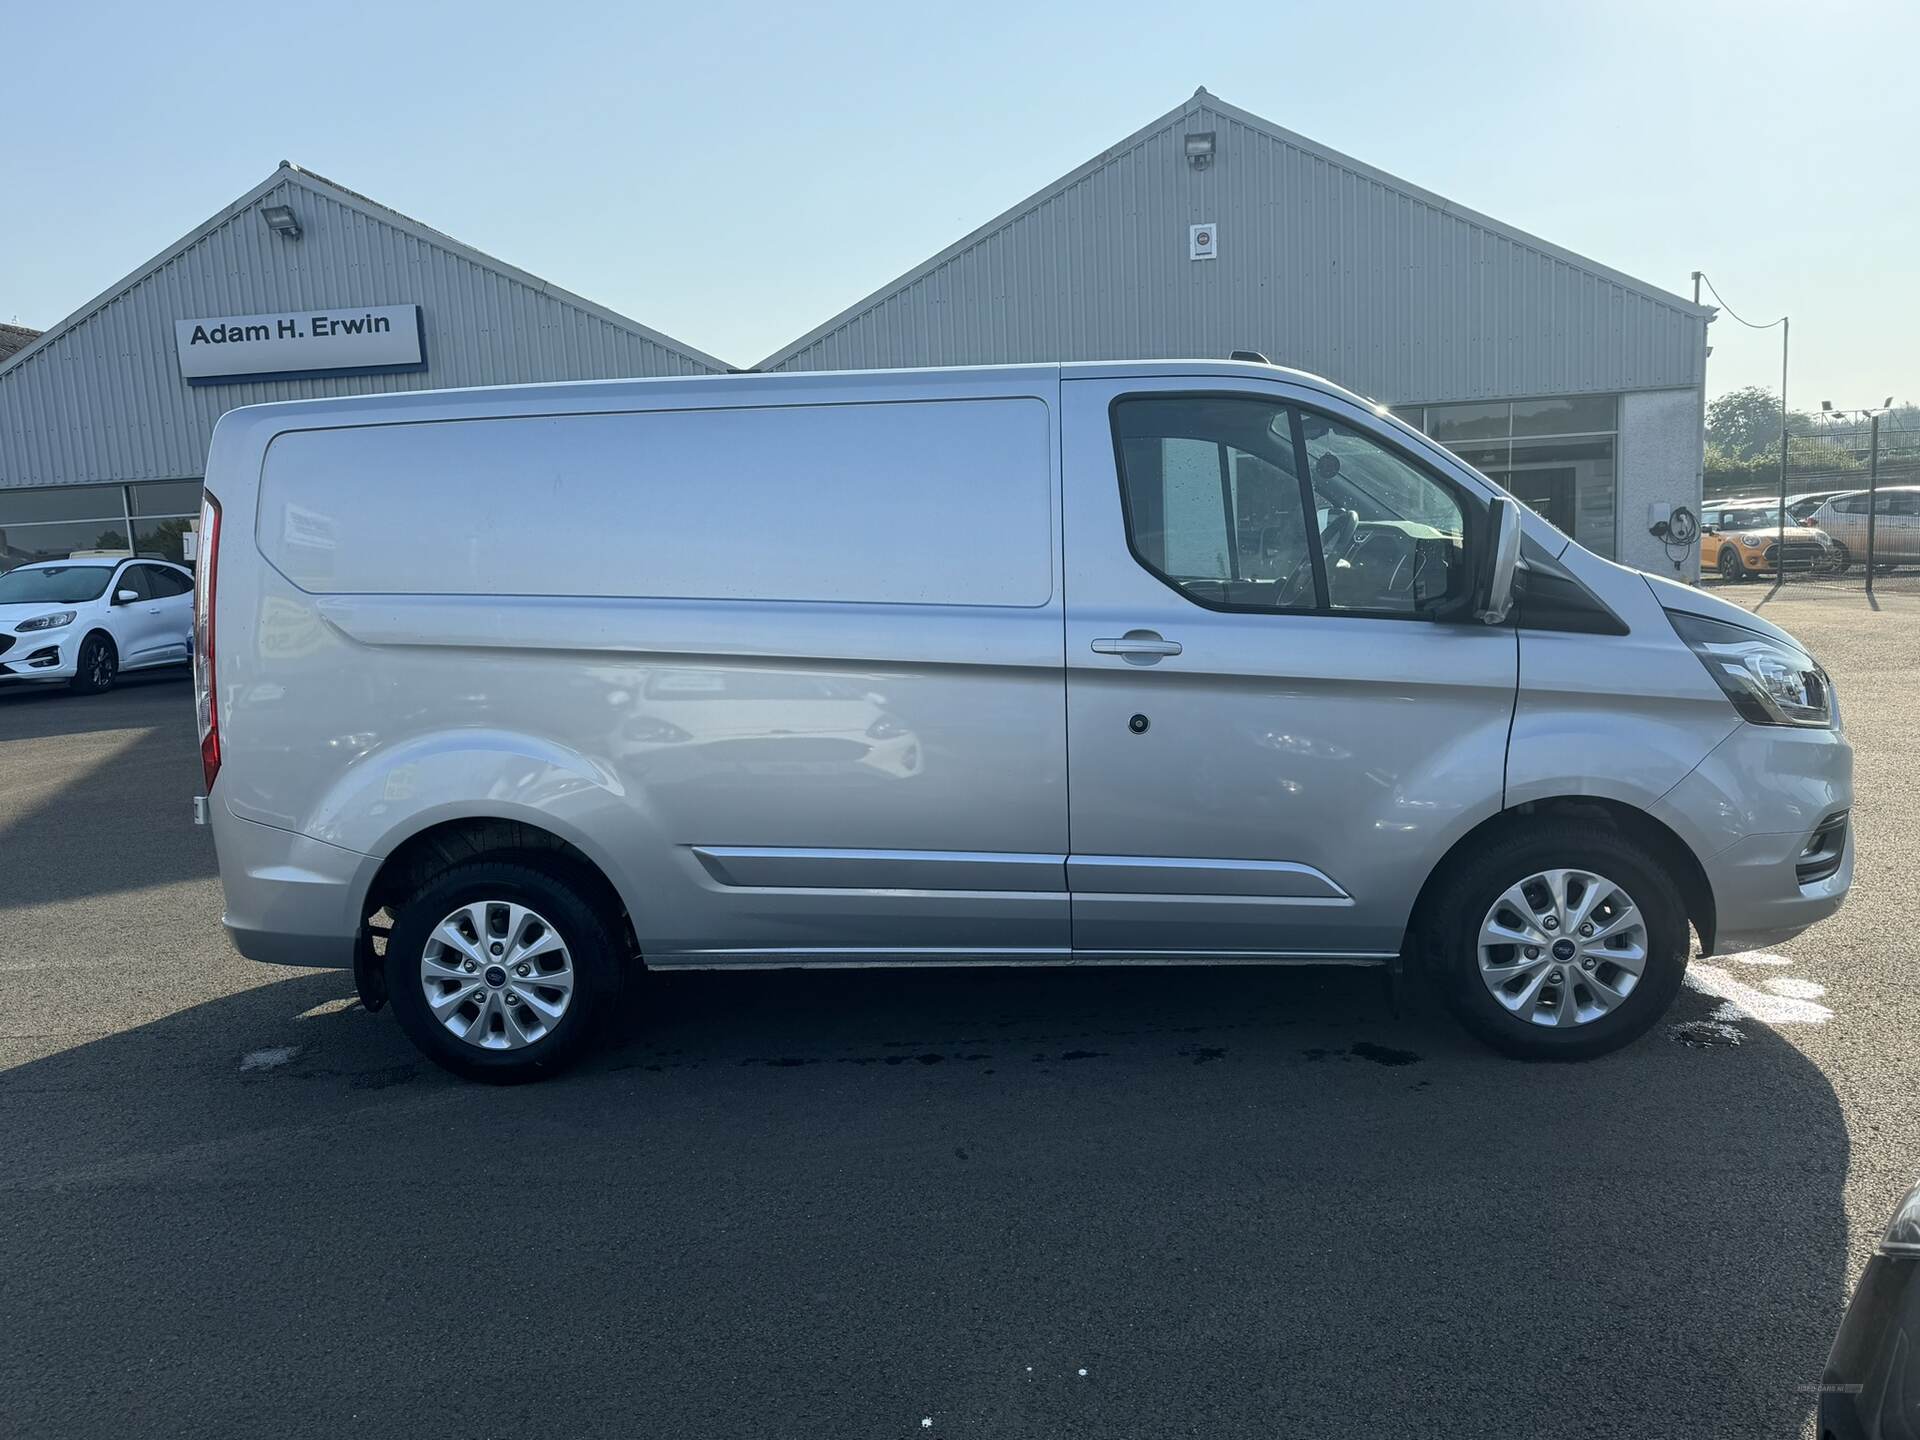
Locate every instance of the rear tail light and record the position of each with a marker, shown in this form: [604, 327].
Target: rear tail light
[205, 582]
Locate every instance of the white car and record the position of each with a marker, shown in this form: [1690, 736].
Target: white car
[86, 619]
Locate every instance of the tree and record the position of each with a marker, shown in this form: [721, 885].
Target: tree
[1745, 423]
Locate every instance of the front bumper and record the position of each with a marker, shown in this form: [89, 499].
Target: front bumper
[1761, 813]
[40, 655]
[291, 900]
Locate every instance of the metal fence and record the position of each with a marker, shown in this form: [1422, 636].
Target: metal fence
[1852, 517]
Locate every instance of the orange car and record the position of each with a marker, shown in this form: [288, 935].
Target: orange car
[1738, 540]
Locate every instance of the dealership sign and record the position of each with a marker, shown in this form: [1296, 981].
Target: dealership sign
[375, 340]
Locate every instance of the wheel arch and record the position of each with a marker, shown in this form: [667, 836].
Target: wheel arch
[444, 843]
[1659, 839]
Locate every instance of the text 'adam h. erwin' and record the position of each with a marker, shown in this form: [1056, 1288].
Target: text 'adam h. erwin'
[289, 329]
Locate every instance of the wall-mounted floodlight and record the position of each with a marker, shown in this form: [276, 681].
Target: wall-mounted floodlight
[1200, 149]
[1826, 407]
[281, 221]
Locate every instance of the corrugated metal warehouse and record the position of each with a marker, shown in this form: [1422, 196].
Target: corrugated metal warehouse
[1208, 231]
[300, 288]
[1213, 230]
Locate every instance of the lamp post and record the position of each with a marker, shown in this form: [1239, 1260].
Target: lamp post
[1780, 540]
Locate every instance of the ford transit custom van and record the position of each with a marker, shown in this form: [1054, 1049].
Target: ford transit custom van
[505, 694]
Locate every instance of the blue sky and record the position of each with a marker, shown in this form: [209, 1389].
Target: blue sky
[733, 174]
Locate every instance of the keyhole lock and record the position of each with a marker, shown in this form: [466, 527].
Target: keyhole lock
[1138, 724]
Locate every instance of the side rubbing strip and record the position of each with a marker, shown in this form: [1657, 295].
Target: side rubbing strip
[781, 868]
[1163, 875]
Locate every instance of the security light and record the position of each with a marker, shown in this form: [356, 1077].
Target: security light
[1200, 149]
[1887, 404]
[1826, 407]
[280, 220]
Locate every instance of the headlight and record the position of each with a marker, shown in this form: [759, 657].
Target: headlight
[1754, 542]
[1769, 681]
[1903, 1231]
[45, 622]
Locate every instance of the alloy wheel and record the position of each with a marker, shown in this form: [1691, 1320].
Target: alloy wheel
[1562, 948]
[497, 975]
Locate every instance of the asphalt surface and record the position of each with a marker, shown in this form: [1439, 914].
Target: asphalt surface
[1056, 1204]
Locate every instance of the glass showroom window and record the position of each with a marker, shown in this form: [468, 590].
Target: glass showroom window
[163, 512]
[1556, 454]
[51, 522]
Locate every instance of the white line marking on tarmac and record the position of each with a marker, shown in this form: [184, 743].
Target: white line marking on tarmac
[1784, 1001]
[268, 1058]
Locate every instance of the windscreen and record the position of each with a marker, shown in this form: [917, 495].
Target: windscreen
[1752, 518]
[54, 584]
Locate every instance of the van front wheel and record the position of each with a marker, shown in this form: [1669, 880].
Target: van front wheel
[1560, 942]
[498, 969]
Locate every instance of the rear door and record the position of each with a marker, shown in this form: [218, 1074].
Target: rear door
[172, 603]
[1899, 527]
[1275, 726]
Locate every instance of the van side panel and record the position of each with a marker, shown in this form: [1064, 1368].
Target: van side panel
[914, 502]
[791, 674]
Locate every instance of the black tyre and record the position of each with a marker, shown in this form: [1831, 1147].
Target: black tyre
[1842, 558]
[98, 667]
[499, 970]
[1559, 942]
[1730, 566]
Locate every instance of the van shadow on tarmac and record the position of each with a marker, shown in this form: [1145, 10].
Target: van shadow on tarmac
[1067, 1203]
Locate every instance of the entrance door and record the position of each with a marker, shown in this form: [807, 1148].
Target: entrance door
[1547, 492]
[1278, 715]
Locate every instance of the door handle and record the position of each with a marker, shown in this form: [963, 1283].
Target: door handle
[1140, 646]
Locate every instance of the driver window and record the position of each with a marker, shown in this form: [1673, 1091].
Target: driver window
[1212, 498]
[1393, 536]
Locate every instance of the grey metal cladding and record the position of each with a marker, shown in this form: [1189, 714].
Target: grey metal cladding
[100, 396]
[1324, 263]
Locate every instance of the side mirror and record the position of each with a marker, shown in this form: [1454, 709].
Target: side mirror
[1493, 595]
[125, 597]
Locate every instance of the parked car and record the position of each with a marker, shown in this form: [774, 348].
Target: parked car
[1800, 508]
[86, 619]
[1870, 1389]
[969, 667]
[1896, 524]
[1738, 541]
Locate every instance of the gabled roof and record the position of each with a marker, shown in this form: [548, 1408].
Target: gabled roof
[1121, 165]
[15, 337]
[307, 179]
[100, 396]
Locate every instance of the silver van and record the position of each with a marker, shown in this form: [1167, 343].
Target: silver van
[504, 693]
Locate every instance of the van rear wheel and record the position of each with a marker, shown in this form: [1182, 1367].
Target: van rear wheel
[1560, 942]
[499, 969]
